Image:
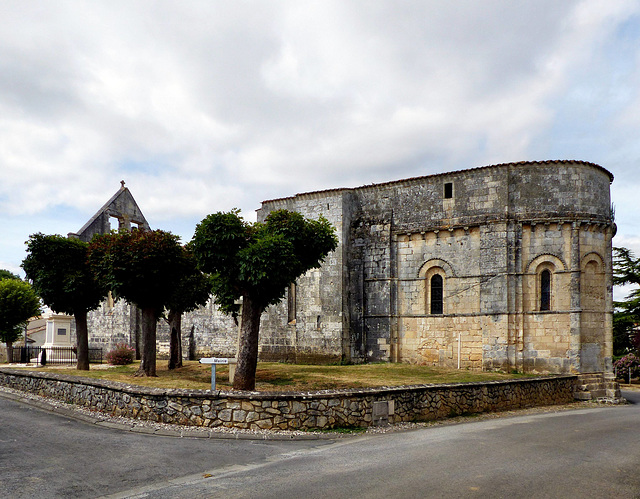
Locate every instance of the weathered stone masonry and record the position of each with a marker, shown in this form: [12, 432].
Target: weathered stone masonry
[290, 411]
[500, 267]
[492, 235]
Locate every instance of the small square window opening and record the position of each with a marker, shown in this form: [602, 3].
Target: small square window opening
[448, 190]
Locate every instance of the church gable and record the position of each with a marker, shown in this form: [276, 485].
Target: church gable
[123, 207]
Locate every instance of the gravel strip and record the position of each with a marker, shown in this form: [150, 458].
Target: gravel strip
[149, 427]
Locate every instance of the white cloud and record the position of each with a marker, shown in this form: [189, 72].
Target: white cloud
[205, 105]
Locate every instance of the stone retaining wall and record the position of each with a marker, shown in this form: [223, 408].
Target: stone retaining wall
[288, 411]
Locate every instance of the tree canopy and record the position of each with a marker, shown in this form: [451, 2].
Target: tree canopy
[144, 268]
[18, 303]
[6, 274]
[626, 267]
[259, 259]
[58, 268]
[626, 317]
[256, 263]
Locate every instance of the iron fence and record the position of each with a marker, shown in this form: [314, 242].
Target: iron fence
[53, 355]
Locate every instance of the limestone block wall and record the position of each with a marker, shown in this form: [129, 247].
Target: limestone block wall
[490, 232]
[551, 189]
[548, 342]
[456, 253]
[206, 332]
[290, 411]
[369, 289]
[546, 247]
[113, 323]
[307, 325]
[433, 339]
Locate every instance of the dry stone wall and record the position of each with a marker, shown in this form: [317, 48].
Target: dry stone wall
[291, 411]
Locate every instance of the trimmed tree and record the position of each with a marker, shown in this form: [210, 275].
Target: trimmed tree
[192, 292]
[58, 268]
[144, 268]
[256, 262]
[18, 303]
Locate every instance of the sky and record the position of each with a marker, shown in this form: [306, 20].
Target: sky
[202, 106]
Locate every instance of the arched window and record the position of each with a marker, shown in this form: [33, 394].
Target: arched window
[437, 292]
[545, 290]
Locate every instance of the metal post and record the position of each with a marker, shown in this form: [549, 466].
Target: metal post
[213, 361]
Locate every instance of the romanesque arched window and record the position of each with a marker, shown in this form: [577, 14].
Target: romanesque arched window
[545, 290]
[436, 295]
[434, 275]
[545, 284]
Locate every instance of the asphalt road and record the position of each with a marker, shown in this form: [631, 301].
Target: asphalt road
[47, 455]
[580, 453]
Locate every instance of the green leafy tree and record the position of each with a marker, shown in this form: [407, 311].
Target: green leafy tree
[626, 316]
[5, 274]
[144, 268]
[191, 292]
[256, 262]
[58, 268]
[18, 303]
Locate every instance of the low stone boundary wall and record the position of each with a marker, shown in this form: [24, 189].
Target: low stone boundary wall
[288, 411]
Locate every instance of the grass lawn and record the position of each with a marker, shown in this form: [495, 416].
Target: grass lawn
[273, 376]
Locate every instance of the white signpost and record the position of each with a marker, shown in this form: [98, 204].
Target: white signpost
[213, 361]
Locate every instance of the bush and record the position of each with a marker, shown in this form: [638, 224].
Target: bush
[121, 355]
[623, 364]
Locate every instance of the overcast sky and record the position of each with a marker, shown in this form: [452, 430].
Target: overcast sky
[203, 106]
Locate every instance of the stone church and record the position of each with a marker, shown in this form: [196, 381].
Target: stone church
[499, 267]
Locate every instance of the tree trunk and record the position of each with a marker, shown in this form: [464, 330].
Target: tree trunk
[175, 341]
[245, 377]
[9, 351]
[82, 340]
[148, 357]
